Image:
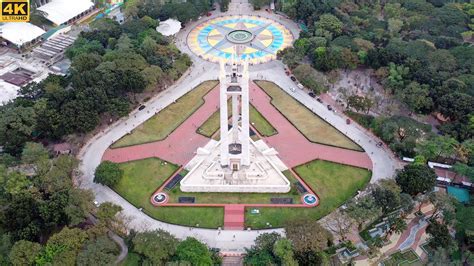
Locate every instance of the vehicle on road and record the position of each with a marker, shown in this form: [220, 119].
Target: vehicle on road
[329, 107]
[311, 94]
[293, 78]
[319, 100]
[292, 89]
[141, 107]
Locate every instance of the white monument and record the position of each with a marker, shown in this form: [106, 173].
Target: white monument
[235, 163]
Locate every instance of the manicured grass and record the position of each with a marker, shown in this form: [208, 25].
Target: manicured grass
[167, 120]
[141, 178]
[262, 198]
[260, 123]
[407, 258]
[334, 183]
[309, 124]
[211, 125]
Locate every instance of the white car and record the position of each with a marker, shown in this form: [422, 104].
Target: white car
[299, 85]
[292, 89]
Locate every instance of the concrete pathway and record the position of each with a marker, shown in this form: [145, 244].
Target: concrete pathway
[180, 146]
[230, 241]
[234, 217]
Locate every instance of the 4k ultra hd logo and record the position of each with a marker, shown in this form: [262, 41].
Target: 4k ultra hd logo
[15, 11]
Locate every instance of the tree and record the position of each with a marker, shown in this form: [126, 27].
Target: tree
[359, 103]
[108, 173]
[443, 204]
[416, 96]
[386, 195]
[16, 183]
[33, 153]
[102, 251]
[340, 225]
[464, 170]
[397, 225]
[155, 246]
[456, 105]
[308, 235]
[328, 26]
[440, 236]
[363, 210]
[437, 147]
[107, 212]
[193, 251]
[17, 124]
[24, 252]
[283, 249]
[415, 179]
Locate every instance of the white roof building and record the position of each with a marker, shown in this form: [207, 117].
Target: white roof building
[20, 33]
[61, 11]
[169, 27]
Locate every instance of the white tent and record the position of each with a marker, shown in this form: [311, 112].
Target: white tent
[20, 33]
[60, 11]
[169, 27]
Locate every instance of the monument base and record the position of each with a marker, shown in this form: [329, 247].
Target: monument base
[263, 175]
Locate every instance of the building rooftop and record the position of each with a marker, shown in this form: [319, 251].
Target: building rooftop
[60, 11]
[20, 33]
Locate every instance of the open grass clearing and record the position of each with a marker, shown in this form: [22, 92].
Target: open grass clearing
[159, 126]
[141, 178]
[334, 184]
[313, 127]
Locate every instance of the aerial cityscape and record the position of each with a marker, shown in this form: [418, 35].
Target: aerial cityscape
[236, 132]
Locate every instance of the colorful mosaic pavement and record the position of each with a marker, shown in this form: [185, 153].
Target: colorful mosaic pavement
[256, 39]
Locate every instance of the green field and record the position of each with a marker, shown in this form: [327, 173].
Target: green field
[262, 198]
[167, 120]
[211, 125]
[408, 257]
[142, 178]
[334, 183]
[313, 127]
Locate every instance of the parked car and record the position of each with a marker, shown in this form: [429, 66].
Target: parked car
[319, 100]
[348, 121]
[293, 78]
[292, 89]
[329, 107]
[380, 144]
[299, 85]
[311, 94]
[141, 107]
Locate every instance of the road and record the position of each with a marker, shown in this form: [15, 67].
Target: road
[227, 240]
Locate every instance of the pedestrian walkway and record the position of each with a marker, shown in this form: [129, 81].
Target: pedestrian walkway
[234, 217]
[180, 146]
[293, 147]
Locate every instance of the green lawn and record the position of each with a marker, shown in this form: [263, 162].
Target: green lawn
[409, 257]
[262, 198]
[141, 178]
[211, 125]
[167, 120]
[334, 183]
[309, 124]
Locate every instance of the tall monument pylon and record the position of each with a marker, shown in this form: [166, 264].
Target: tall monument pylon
[236, 163]
[235, 141]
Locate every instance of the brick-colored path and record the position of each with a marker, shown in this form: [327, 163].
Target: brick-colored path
[180, 146]
[234, 216]
[294, 149]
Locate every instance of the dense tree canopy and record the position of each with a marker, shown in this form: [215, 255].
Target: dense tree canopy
[415, 179]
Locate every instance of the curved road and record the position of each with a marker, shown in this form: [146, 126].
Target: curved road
[227, 240]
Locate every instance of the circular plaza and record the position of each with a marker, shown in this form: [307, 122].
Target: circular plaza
[252, 38]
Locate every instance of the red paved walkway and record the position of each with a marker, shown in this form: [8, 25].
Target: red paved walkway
[234, 217]
[293, 148]
[180, 146]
